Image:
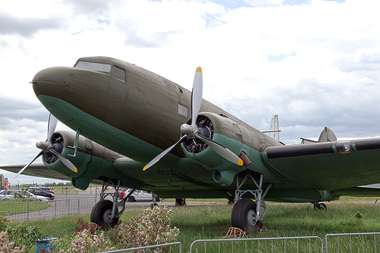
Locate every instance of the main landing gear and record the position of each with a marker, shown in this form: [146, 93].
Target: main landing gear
[105, 213]
[247, 214]
[319, 206]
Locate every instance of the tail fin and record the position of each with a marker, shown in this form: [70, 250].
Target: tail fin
[327, 135]
[274, 131]
[274, 128]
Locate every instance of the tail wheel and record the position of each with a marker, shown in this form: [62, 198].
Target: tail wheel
[101, 212]
[243, 216]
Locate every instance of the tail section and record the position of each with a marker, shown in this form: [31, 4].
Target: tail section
[327, 135]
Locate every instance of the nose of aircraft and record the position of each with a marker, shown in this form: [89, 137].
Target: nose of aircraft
[51, 80]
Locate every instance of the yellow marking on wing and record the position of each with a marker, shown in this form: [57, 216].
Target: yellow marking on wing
[199, 69]
[145, 167]
[75, 169]
[240, 162]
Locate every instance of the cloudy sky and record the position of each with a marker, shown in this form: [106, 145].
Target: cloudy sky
[315, 63]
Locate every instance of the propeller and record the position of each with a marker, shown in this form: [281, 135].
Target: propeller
[192, 131]
[48, 147]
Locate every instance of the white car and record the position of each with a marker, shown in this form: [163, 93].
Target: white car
[139, 195]
[7, 194]
[36, 197]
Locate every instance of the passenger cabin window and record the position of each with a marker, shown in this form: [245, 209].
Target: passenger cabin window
[118, 73]
[101, 67]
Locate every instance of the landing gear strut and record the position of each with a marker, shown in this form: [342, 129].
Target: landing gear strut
[105, 213]
[246, 214]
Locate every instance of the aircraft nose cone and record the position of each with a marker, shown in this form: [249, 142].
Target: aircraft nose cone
[50, 80]
[55, 75]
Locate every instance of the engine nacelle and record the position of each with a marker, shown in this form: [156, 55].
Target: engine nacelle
[89, 158]
[223, 131]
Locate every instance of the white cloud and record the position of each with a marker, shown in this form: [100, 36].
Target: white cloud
[327, 74]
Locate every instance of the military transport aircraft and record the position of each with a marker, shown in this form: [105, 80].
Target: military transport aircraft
[128, 119]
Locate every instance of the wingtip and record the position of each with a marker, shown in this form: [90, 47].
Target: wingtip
[75, 169]
[199, 69]
[145, 168]
[240, 162]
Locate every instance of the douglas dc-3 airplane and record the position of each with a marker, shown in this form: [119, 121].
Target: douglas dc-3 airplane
[139, 130]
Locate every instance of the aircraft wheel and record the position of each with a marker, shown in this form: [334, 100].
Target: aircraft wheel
[320, 206]
[180, 202]
[100, 214]
[243, 216]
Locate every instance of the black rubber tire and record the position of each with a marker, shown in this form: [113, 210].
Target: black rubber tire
[320, 206]
[131, 199]
[180, 202]
[97, 214]
[239, 216]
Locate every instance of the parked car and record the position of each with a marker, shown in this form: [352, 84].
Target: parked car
[139, 195]
[47, 189]
[39, 192]
[7, 194]
[36, 197]
[14, 194]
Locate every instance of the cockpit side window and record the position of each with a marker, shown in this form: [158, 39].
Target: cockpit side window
[118, 73]
[101, 67]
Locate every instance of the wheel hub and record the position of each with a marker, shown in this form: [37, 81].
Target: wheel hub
[251, 218]
[107, 216]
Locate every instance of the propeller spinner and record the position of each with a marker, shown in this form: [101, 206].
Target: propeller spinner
[48, 147]
[192, 131]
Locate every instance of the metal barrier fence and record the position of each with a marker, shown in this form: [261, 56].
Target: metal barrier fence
[353, 242]
[160, 247]
[276, 244]
[28, 210]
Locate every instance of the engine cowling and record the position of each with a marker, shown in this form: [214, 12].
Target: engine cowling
[222, 130]
[89, 158]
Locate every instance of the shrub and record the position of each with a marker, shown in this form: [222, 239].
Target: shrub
[150, 227]
[6, 246]
[91, 227]
[84, 242]
[358, 215]
[19, 235]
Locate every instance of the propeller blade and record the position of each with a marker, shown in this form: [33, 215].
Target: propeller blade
[65, 161]
[222, 151]
[157, 158]
[196, 96]
[26, 166]
[51, 126]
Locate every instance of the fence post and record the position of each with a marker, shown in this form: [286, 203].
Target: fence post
[27, 212]
[78, 206]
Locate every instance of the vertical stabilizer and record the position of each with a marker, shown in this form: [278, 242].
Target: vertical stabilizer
[327, 135]
[274, 128]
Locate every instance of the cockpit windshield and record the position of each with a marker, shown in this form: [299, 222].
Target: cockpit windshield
[101, 67]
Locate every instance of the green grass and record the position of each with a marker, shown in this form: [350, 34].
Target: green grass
[17, 206]
[282, 220]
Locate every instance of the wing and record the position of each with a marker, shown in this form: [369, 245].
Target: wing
[361, 191]
[36, 170]
[329, 165]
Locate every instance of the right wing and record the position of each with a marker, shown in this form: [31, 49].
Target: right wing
[36, 170]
